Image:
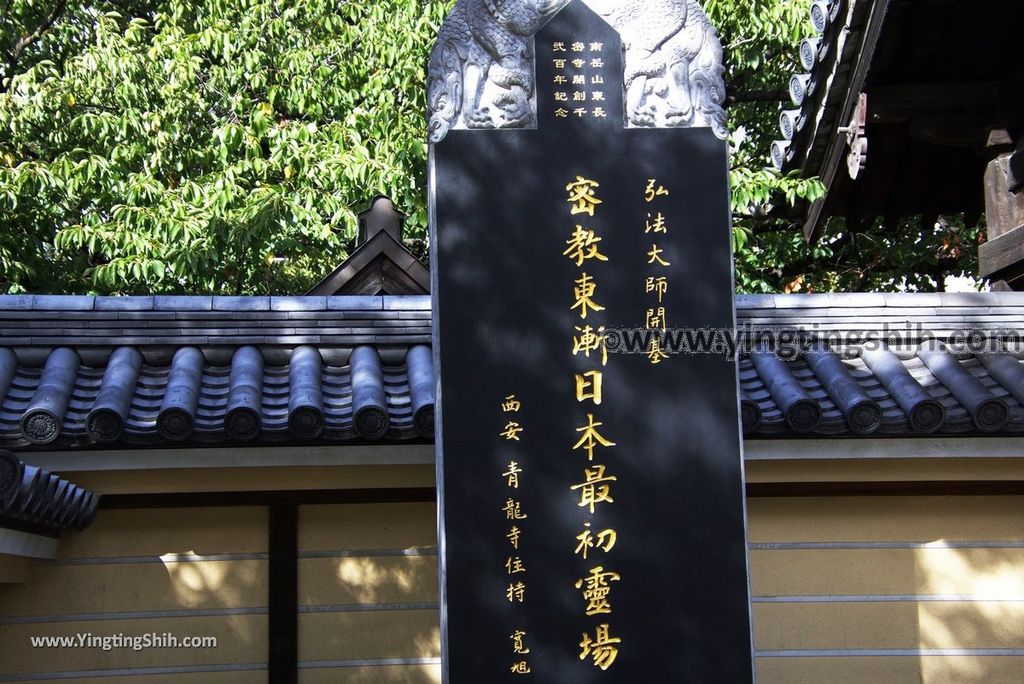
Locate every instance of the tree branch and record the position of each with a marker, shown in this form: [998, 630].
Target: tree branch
[27, 40]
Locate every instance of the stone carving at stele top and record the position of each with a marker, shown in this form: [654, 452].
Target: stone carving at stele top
[482, 68]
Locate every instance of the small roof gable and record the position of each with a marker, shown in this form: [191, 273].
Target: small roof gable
[381, 264]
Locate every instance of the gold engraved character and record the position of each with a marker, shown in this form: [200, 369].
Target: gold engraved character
[591, 438]
[595, 489]
[584, 291]
[596, 589]
[603, 648]
[582, 196]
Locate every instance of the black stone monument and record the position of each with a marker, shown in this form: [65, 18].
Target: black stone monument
[592, 522]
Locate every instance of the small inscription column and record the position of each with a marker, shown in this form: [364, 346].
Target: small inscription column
[590, 474]
[578, 84]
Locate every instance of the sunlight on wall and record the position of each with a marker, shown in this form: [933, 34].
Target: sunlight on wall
[373, 580]
[429, 645]
[995, 573]
[221, 583]
[431, 673]
[994, 578]
[194, 577]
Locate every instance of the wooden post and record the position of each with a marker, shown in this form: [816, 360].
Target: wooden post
[1001, 258]
[283, 653]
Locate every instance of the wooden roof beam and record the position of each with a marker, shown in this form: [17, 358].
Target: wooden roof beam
[836, 151]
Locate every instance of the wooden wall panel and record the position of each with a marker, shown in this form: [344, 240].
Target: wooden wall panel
[870, 625]
[245, 676]
[369, 634]
[901, 590]
[368, 593]
[886, 518]
[368, 580]
[159, 531]
[427, 673]
[921, 570]
[839, 670]
[188, 572]
[155, 586]
[240, 639]
[367, 526]
[892, 670]
[972, 669]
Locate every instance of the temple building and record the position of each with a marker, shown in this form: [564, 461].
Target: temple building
[267, 478]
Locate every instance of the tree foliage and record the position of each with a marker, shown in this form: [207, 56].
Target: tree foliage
[224, 146]
[211, 147]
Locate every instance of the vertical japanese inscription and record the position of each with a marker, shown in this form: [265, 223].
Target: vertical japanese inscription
[594, 490]
[656, 226]
[612, 482]
[514, 516]
[579, 80]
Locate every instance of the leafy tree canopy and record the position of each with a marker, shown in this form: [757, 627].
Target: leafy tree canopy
[151, 146]
[211, 147]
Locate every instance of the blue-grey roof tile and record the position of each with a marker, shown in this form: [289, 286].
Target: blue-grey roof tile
[912, 299]
[355, 303]
[1009, 299]
[15, 302]
[408, 303]
[802, 301]
[781, 396]
[124, 303]
[145, 315]
[755, 301]
[242, 401]
[200, 316]
[304, 303]
[856, 300]
[241, 303]
[40, 501]
[971, 299]
[178, 303]
[63, 302]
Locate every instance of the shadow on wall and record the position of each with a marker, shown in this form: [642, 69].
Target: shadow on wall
[228, 583]
[141, 571]
[372, 607]
[388, 580]
[991, 616]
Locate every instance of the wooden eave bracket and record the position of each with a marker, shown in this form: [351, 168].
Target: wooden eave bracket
[856, 138]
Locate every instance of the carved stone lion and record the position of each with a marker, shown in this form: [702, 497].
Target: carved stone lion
[486, 46]
[482, 69]
[673, 67]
